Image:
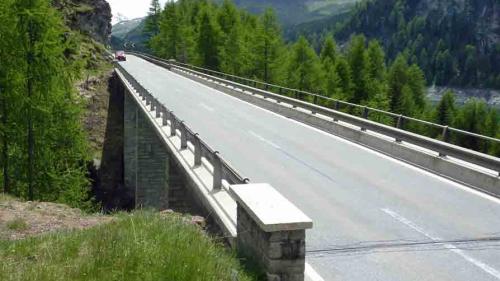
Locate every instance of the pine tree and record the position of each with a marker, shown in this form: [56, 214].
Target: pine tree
[329, 50]
[304, 70]
[397, 78]
[346, 86]
[444, 112]
[7, 88]
[358, 61]
[165, 44]
[152, 22]
[51, 157]
[267, 46]
[471, 118]
[208, 40]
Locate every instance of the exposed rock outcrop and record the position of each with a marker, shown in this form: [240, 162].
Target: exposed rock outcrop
[91, 17]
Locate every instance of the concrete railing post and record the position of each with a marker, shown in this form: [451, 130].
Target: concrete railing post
[270, 231]
[184, 133]
[446, 138]
[158, 108]
[164, 115]
[173, 124]
[197, 150]
[217, 164]
[399, 125]
[365, 116]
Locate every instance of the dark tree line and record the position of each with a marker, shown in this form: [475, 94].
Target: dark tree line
[453, 43]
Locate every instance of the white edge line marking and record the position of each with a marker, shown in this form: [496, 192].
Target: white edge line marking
[483, 266]
[264, 140]
[311, 274]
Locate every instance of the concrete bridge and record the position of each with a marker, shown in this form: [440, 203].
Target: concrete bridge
[386, 204]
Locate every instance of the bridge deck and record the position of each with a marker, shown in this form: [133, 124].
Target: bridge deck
[375, 218]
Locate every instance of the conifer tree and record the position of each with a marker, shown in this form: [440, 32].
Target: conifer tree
[152, 22]
[358, 61]
[208, 40]
[267, 46]
[445, 110]
[54, 150]
[346, 86]
[329, 50]
[304, 70]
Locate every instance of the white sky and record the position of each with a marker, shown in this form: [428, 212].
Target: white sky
[130, 9]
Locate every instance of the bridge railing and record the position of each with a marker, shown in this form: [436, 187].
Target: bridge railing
[221, 169]
[397, 131]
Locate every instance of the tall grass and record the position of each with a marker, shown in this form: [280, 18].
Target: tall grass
[142, 246]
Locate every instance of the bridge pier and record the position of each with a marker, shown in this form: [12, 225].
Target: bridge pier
[147, 170]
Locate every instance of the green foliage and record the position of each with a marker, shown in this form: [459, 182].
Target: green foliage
[17, 225]
[304, 68]
[227, 39]
[444, 112]
[141, 246]
[152, 21]
[454, 44]
[43, 144]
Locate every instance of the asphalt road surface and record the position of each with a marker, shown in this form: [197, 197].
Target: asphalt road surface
[375, 218]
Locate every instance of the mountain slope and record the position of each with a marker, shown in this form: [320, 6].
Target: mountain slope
[129, 32]
[456, 42]
[291, 12]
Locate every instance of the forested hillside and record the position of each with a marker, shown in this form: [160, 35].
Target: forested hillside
[228, 39]
[292, 12]
[455, 42]
[43, 145]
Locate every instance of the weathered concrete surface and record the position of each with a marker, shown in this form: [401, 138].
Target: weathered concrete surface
[271, 231]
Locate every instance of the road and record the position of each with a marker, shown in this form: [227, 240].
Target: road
[375, 218]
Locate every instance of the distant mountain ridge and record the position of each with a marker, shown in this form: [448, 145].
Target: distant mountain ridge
[129, 32]
[292, 12]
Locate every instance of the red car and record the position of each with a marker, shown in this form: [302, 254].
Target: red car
[120, 56]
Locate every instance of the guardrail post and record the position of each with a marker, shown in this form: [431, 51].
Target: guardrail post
[280, 91]
[365, 116]
[183, 135]
[399, 125]
[217, 164]
[315, 100]
[158, 109]
[197, 150]
[173, 124]
[164, 115]
[446, 138]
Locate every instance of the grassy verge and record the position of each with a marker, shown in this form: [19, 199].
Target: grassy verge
[141, 246]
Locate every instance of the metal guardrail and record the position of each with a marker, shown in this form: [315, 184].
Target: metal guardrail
[396, 132]
[222, 170]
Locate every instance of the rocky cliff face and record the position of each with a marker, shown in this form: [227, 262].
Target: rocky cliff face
[91, 17]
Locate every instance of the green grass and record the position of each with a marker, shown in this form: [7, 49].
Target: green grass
[17, 225]
[141, 246]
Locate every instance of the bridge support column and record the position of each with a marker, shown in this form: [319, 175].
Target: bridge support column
[146, 160]
[271, 231]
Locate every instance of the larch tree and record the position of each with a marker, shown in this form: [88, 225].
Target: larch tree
[304, 69]
[267, 46]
